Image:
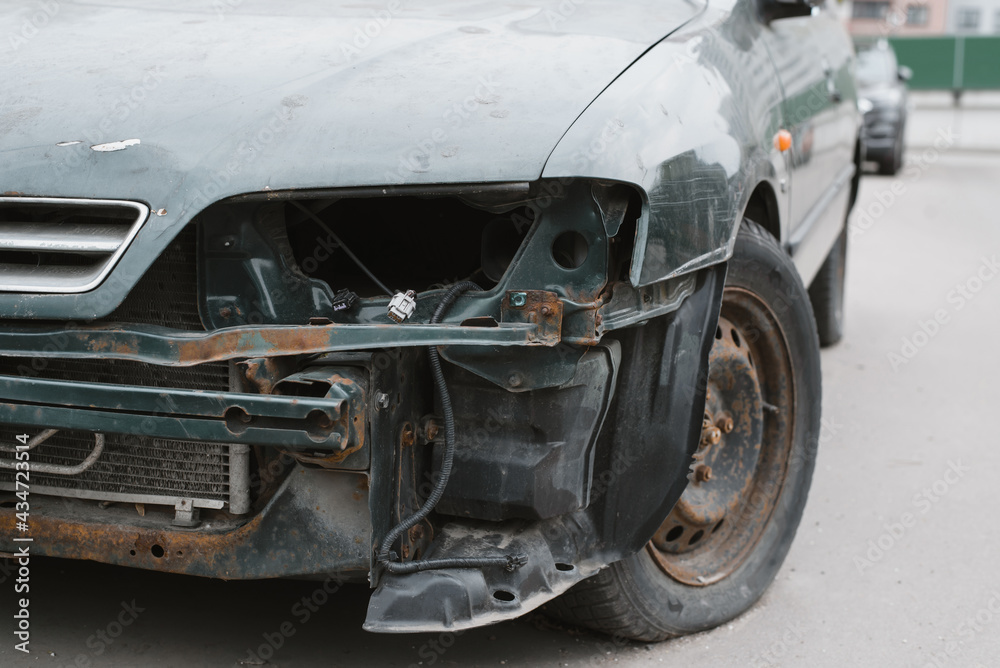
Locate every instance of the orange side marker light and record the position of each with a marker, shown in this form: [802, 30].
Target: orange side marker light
[783, 140]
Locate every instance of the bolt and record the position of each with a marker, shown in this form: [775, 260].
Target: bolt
[514, 380]
[381, 400]
[546, 311]
[225, 312]
[416, 533]
[431, 429]
[703, 473]
[713, 435]
[725, 423]
[518, 299]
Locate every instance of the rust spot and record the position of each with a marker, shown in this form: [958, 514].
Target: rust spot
[407, 436]
[180, 551]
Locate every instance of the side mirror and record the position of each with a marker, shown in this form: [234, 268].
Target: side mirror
[772, 10]
[904, 73]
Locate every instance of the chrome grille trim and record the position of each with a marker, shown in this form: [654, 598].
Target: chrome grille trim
[62, 237]
[104, 243]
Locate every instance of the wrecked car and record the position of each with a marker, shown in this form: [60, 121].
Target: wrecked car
[491, 306]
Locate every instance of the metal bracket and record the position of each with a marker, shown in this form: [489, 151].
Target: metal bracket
[540, 308]
[185, 514]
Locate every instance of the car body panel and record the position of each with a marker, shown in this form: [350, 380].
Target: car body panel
[820, 111]
[693, 124]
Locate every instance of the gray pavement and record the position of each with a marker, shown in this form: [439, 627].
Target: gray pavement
[895, 561]
[934, 121]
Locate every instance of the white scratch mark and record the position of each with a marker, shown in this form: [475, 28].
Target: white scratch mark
[115, 145]
[69, 143]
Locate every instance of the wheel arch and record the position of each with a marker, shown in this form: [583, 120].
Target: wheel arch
[762, 208]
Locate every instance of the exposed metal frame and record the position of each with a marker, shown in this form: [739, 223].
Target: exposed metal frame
[117, 497]
[217, 417]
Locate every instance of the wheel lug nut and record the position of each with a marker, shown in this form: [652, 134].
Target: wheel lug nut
[703, 473]
[713, 435]
[725, 424]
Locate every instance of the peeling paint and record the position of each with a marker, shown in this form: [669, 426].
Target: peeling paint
[115, 145]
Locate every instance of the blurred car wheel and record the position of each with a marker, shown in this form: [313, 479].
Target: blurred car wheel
[890, 165]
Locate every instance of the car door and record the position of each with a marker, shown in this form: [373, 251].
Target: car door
[814, 60]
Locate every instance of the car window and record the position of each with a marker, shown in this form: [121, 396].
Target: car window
[876, 66]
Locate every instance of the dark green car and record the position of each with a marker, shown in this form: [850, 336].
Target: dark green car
[489, 305]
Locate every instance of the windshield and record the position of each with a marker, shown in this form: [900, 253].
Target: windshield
[876, 66]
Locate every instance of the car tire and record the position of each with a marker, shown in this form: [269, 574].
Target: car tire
[827, 293]
[890, 165]
[663, 592]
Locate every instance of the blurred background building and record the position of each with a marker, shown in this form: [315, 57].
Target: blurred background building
[974, 17]
[950, 45]
[882, 18]
[885, 18]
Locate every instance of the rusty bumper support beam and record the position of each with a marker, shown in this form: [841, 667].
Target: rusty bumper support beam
[179, 414]
[157, 345]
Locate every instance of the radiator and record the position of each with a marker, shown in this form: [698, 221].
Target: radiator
[136, 468]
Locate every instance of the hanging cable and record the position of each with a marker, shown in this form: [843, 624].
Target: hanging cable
[347, 251]
[508, 562]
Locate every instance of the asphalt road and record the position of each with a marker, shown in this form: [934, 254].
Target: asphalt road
[894, 563]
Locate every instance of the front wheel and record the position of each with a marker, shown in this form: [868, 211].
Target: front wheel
[725, 539]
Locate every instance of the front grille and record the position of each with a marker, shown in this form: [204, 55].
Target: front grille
[166, 296]
[138, 468]
[132, 468]
[55, 245]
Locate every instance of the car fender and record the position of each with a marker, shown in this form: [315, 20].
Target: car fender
[691, 125]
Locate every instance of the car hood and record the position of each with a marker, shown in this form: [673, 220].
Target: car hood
[175, 103]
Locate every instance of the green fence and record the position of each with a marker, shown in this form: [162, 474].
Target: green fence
[950, 63]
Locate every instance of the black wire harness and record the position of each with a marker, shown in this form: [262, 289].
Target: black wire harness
[385, 556]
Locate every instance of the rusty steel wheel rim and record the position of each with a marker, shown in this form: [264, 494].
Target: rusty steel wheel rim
[742, 460]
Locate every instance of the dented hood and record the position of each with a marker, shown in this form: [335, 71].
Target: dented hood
[174, 103]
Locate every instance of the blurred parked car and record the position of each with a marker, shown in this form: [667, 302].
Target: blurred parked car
[882, 100]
